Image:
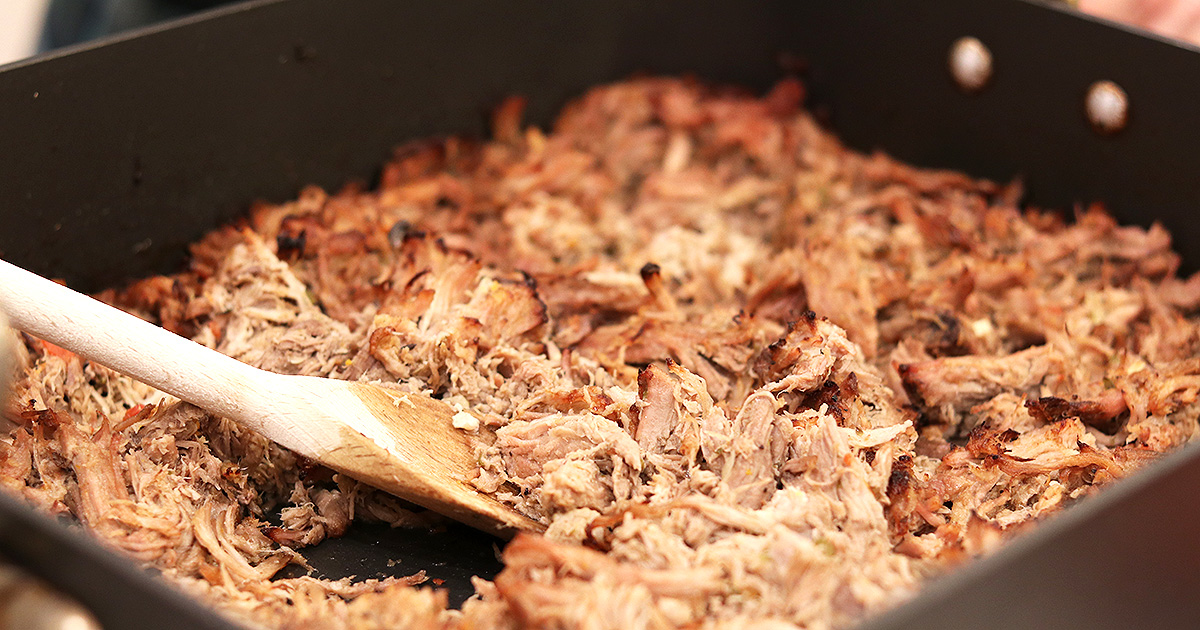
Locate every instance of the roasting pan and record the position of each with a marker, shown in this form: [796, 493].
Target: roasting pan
[117, 154]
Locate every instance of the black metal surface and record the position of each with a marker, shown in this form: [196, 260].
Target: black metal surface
[116, 156]
[119, 594]
[448, 557]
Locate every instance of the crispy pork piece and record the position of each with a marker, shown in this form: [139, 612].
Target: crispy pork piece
[950, 387]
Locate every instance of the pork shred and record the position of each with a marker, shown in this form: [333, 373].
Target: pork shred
[743, 374]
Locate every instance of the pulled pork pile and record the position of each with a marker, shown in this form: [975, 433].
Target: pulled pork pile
[742, 373]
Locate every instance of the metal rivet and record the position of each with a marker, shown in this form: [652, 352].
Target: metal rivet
[970, 64]
[1107, 107]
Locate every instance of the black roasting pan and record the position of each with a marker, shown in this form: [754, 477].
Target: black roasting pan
[114, 156]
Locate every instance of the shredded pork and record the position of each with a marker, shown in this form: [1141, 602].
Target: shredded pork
[747, 377]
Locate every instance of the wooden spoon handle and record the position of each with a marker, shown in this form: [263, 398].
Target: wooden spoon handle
[127, 344]
[402, 443]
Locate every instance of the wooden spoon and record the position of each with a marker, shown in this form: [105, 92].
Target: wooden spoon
[403, 443]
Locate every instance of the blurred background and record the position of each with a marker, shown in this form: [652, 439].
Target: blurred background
[20, 27]
[30, 26]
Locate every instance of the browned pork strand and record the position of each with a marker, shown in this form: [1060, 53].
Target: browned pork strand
[743, 374]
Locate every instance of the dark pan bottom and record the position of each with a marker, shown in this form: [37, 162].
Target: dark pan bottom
[449, 556]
